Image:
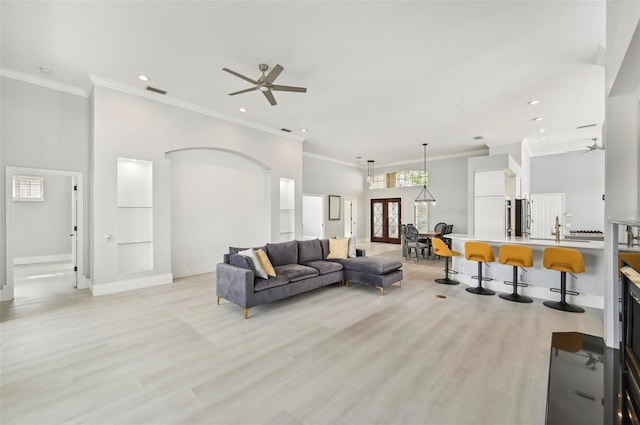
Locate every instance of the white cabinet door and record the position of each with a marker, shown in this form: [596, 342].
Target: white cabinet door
[490, 217]
[489, 183]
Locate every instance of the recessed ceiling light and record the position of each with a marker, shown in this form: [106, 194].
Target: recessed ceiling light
[541, 130]
[46, 71]
[143, 77]
[533, 102]
[304, 130]
[243, 109]
[537, 119]
[544, 138]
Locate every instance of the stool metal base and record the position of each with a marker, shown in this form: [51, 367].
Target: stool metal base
[564, 306]
[447, 281]
[479, 290]
[516, 298]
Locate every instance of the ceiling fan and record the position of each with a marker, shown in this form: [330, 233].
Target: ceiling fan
[594, 147]
[265, 83]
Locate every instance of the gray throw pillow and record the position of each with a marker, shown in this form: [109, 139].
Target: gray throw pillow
[241, 261]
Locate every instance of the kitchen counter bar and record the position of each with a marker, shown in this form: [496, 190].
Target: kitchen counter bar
[590, 284]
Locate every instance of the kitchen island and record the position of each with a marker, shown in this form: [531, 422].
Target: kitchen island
[589, 284]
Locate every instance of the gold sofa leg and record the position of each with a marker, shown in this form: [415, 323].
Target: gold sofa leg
[246, 312]
[219, 299]
[381, 288]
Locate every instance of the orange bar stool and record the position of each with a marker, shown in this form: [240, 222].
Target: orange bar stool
[440, 248]
[564, 260]
[516, 256]
[482, 253]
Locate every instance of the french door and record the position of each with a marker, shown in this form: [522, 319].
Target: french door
[385, 220]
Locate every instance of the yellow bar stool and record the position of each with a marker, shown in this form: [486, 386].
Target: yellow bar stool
[516, 256]
[564, 260]
[482, 253]
[440, 248]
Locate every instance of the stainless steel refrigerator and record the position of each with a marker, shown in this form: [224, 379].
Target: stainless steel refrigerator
[522, 222]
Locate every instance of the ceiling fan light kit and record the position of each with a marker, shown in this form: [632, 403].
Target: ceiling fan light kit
[265, 83]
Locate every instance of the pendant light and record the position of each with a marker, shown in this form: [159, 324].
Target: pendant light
[425, 196]
[370, 171]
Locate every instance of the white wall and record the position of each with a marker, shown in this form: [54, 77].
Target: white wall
[580, 176]
[41, 128]
[447, 183]
[216, 197]
[130, 126]
[312, 216]
[325, 177]
[43, 228]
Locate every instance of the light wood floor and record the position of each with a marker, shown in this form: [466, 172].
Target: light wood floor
[170, 355]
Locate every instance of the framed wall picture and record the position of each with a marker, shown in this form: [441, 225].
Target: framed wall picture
[334, 207]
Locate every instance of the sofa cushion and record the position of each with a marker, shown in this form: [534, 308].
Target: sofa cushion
[283, 253]
[309, 251]
[272, 282]
[338, 249]
[296, 272]
[370, 265]
[266, 264]
[325, 267]
[241, 261]
[257, 267]
[324, 243]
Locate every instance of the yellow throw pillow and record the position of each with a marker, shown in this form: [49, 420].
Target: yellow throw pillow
[338, 249]
[266, 264]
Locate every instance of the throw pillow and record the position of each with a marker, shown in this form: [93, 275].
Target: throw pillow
[241, 261]
[259, 270]
[352, 247]
[266, 264]
[338, 249]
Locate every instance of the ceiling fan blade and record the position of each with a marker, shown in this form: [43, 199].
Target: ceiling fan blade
[270, 98]
[271, 77]
[239, 75]
[243, 91]
[288, 88]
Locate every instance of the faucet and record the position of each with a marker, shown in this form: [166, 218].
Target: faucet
[556, 230]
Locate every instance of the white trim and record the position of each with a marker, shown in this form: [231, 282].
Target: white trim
[131, 284]
[20, 261]
[585, 300]
[337, 161]
[42, 82]
[10, 171]
[168, 100]
[475, 152]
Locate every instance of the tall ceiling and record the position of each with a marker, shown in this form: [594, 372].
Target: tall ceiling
[383, 77]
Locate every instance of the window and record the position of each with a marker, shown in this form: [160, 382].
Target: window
[405, 178]
[28, 188]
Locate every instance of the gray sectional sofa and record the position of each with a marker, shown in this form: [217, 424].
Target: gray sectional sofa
[300, 266]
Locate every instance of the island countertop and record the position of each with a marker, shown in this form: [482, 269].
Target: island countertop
[519, 240]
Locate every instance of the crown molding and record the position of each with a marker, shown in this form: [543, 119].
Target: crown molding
[326, 158]
[42, 82]
[168, 100]
[475, 152]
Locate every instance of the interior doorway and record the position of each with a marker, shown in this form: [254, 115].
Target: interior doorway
[385, 220]
[44, 230]
[312, 217]
[544, 210]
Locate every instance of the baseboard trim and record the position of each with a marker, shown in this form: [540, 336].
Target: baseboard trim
[584, 300]
[131, 284]
[20, 261]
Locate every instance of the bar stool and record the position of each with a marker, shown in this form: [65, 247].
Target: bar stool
[482, 253]
[564, 260]
[516, 256]
[440, 248]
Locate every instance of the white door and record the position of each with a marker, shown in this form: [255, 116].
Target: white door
[312, 217]
[349, 217]
[544, 210]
